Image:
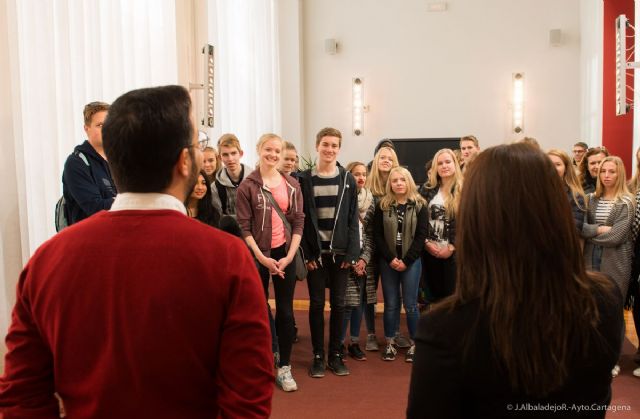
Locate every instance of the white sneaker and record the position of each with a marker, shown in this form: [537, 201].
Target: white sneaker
[389, 353]
[372, 343]
[285, 380]
[636, 372]
[615, 371]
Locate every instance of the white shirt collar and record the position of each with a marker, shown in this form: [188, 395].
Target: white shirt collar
[147, 201]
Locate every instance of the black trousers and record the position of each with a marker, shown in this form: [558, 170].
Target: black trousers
[283, 288]
[329, 274]
[439, 275]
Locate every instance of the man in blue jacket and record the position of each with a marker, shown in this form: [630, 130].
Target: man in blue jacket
[87, 185]
[331, 245]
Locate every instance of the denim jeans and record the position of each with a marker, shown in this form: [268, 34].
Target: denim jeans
[353, 315]
[596, 258]
[393, 283]
[329, 274]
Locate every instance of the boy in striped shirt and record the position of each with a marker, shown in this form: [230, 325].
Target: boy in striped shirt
[331, 245]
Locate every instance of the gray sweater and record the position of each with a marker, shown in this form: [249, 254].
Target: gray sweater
[617, 244]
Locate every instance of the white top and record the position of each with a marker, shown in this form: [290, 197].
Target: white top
[603, 210]
[437, 222]
[147, 201]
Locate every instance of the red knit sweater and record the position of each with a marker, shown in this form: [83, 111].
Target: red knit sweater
[142, 313]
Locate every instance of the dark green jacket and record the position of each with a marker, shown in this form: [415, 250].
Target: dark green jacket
[414, 232]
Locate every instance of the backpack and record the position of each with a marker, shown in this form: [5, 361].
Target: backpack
[61, 219]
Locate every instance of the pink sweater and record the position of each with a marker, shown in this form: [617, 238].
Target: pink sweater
[142, 313]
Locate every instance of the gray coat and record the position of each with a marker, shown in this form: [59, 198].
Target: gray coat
[617, 244]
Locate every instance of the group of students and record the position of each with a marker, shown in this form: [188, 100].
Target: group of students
[354, 226]
[369, 223]
[528, 325]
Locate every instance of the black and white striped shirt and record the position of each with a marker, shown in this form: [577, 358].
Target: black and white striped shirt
[603, 210]
[325, 192]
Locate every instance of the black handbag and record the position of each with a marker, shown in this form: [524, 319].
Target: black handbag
[298, 260]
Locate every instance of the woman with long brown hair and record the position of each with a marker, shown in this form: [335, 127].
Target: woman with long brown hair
[526, 323]
[589, 168]
[572, 187]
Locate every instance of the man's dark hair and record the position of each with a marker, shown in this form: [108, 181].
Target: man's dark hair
[143, 135]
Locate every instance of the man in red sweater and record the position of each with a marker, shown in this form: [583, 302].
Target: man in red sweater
[141, 311]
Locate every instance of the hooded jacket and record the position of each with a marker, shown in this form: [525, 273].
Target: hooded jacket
[224, 191]
[254, 210]
[346, 235]
[87, 186]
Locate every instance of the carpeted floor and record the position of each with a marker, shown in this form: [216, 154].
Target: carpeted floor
[379, 389]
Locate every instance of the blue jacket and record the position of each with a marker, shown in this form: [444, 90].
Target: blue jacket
[87, 188]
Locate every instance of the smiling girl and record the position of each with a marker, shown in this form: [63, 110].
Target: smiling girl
[274, 240]
[199, 204]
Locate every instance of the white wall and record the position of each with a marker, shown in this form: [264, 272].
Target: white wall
[591, 50]
[442, 74]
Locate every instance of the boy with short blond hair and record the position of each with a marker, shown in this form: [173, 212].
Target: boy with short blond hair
[227, 180]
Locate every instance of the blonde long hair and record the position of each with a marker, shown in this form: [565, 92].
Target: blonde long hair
[374, 180]
[620, 187]
[570, 178]
[389, 197]
[452, 198]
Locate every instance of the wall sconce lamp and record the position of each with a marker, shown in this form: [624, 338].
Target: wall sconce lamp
[358, 106]
[207, 86]
[623, 65]
[518, 103]
[208, 118]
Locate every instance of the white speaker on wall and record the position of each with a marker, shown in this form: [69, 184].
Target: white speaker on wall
[330, 46]
[555, 37]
